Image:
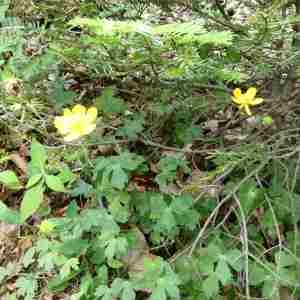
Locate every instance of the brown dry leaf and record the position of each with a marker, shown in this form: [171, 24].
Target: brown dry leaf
[47, 297]
[11, 286]
[12, 87]
[171, 189]
[139, 249]
[7, 242]
[25, 244]
[137, 269]
[153, 167]
[7, 230]
[212, 125]
[233, 135]
[134, 260]
[19, 162]
[285, 294]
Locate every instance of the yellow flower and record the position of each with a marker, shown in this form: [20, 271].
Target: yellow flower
[46, 227]
[77, 122]
[247, 99]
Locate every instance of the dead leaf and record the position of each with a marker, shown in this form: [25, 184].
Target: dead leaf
[285, 294]
[212, 125]
[139, 249]
[19, 162]
[7, 230]
[135, 259]
[137, 269]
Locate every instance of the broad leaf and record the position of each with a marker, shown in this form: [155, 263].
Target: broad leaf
[33, 180]
[26, 286]
[10, 180]
[38, 157]
[211, 285]
[28, 258]
[31, 202]
[8, 215]
[119, 178]
[73, 247]
[223, 272]
[250, 196]
[110, 104]
[66, 269]
[54, 183]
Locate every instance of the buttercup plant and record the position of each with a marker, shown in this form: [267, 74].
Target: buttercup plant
[77, 122]
[245, 100]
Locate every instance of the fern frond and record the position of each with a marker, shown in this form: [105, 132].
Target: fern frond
[184, 33]
[108, 27]
[180, 28]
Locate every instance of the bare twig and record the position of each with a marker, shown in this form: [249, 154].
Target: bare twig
[245, 245]
[221, 203]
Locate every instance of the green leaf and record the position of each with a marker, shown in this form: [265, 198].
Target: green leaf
[3, 273]
[9, 216]
[33, 180]
[257, 274]
[81, 189]
[116, 247]
[234, 259]
[38, 157]
[284, 259]
[12, 297]
[168, 166]
[128, 292]
[57, 284]
[47, 261]
[66, 269]
[31, 202]
[130, 161]
[271, 290]
[72, 209]
[158, 294]
[110, 104]
[104, 293]
[118, 206]
[223, 272]
[250, 196]
[133, 126]
[60, 95]
[54, 183]
[10, 180]
[26, 286]
[208, 257]
[66, 175]
[119, 178]
[186, 134]
[28, 258]
[211, 285]
[73, 247]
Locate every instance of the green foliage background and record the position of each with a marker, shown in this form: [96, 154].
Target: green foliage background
[176, 194]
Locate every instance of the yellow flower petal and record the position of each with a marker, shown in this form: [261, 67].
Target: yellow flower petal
[79, 109]
[77, 122]
[237, 93]
[248, 111]
[91, 114]
[237, 100]
[72, 136]
[89, 128]
[257, 101]
[79, 127]
[62, 125]
[67, 112]
[250, 94]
